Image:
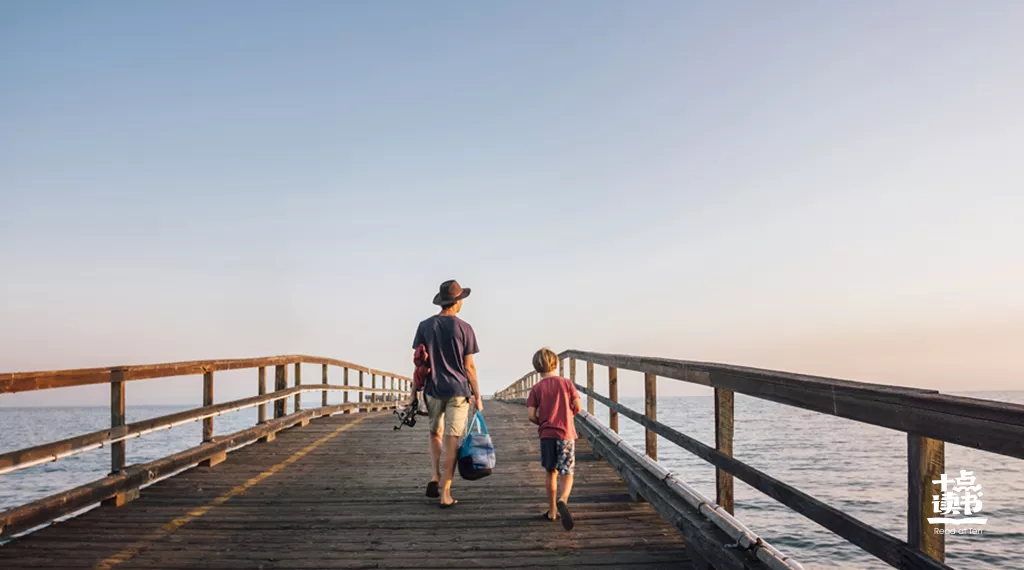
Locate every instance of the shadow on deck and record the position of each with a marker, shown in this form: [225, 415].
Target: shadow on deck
[348, 492]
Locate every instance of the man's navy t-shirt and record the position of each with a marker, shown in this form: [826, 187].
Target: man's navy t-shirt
[448, 341]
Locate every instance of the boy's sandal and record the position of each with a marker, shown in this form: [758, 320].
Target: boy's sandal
[432, 490]
[547, 516]
[566, 516]
[449, 505]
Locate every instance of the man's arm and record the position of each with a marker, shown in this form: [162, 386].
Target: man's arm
[471, 373]
[533, 415]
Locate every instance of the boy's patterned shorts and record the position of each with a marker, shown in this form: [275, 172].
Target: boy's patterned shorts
[558, 455]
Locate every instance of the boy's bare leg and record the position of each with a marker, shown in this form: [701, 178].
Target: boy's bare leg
[451, 447]
[551, 482]
[435, 457]
[565, 482]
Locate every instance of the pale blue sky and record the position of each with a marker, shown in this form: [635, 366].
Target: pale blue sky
[835, 188]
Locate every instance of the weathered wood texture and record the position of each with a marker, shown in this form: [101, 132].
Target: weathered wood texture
[117, 419]
[262, 417]
[280, 383]
[723, 443]
[318, 497]
[323, 373]
[590, 385]
[651, 411]
[207, 402]
[926, 463]
[613, 395]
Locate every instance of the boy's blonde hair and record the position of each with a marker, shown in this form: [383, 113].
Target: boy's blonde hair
[545, 360]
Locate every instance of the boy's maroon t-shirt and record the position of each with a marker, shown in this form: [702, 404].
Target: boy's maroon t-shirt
[553, 398]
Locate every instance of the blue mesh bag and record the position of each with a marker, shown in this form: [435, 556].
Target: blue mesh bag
[476, 454]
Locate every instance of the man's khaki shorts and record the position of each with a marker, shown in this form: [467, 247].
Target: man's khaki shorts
[452, 413]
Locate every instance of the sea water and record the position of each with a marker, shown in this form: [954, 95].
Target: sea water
[857, 468]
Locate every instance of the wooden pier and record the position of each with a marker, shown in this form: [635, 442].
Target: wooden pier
[335, 486]
[348, 492]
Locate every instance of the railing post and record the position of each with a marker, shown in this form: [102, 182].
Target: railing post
[262, 414]
[298, 381]
[208, 422]
[723, 442]
[561, 367]
[118, 453]
[613, 395]
[344, 394]
[207, 401]
[280, 383]
[927, 463]
[117, 419]
[373, 386]
[651, 411]
[323, 396]
[572, 370]
[360, 389]
[590, 386]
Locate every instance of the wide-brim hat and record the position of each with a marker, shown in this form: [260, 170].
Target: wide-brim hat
[450, 292]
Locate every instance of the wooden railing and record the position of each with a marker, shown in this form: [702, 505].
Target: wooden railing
[124, 481]
[927, 417]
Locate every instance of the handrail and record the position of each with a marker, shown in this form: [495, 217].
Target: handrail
[928, 417]
[123, 483]
[997, 427]
[47, 452]
[882, 545]
[11, 382]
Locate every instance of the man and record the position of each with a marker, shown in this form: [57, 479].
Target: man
[451, 389]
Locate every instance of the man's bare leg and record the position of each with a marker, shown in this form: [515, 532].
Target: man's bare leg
[551, 482]
[451, 447]
[435, 457]
[565, 482]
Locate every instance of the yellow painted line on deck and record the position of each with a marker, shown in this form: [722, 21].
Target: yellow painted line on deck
[165, 530]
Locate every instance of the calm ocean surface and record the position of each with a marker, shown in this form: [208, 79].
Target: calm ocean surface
[858, 468]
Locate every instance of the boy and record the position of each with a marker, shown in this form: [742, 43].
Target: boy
[551, 405]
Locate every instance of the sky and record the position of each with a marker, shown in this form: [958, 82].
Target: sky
[823, 187]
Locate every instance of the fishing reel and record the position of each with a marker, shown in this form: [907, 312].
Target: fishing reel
[407, 416]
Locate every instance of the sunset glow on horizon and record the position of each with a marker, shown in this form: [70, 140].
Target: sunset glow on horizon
[833, 189]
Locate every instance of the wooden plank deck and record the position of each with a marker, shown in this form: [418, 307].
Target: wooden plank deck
[347, 492]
